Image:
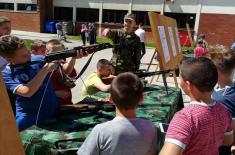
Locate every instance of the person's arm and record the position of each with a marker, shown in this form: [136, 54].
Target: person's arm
[106, 32]
[29, 89]
[102, 87]
[69, 65]
[110, 33]
[178, 135]
[228, 139]
[171, 149]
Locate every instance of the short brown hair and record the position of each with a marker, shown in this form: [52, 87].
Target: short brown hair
[54, 42]
[223, 58]
[9, 44]
[103, 62]
[201, 72]
[37, 44]
[126, 91]
[4, 20]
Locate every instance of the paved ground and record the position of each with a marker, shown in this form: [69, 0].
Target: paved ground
[91, 68]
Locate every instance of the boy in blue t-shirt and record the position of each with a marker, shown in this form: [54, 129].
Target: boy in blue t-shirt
[224, 59]
[35, 97]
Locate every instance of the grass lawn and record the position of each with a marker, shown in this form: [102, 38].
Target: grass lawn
[28, 43]
[105, 40]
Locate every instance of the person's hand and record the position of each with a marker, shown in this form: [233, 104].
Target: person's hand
[81, 53]
[51, 66]
[62, 94]
[111, 76]
[105, 32]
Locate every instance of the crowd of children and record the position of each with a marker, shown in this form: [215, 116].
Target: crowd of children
[203, 127]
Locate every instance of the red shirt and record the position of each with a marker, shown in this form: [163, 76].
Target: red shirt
[199, 129]
[63, 87]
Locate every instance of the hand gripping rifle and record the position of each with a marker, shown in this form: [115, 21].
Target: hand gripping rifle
[63, 54]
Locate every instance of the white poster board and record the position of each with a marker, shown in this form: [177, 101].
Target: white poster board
[177, 37]
[171, 34]
[162, 36]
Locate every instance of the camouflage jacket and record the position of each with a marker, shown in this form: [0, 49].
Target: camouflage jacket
[126, 51]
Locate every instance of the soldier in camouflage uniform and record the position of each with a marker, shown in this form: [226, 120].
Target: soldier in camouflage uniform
[127, 48]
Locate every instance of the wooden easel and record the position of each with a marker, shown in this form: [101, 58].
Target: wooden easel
[165, 33]
[189, 35]
[10, 141]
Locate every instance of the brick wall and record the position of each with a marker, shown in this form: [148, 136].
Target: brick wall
[31, 21]
[24, 21]
[219, 28]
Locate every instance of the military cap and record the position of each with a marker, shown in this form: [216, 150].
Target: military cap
[130, 16]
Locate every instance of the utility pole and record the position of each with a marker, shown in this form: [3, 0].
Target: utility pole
[163, 7]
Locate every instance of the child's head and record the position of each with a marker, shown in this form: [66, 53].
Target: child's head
[200, 73]
[200, 42]
[223, 58]
[13, 49]
[38, 47]
[202, 36]
[54, 45]
[104, 68]
[5, 26]
[126, 91]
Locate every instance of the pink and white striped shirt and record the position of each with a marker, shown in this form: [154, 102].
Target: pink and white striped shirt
[199, 128]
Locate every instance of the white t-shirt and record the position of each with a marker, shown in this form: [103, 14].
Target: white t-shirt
[140, 32]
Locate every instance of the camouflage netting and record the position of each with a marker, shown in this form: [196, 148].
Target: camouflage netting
[67, 131]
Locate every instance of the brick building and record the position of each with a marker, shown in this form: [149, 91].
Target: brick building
[215, 18]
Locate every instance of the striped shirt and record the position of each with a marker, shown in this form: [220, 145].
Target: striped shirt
[199, 128]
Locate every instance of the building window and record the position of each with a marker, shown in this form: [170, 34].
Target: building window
[113, 16]
[6, 6]
[141, 17]
[87, 15]
[182, 19]
[63, 13]
[26, 7]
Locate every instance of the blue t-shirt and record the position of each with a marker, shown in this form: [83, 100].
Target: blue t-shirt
[226, 96]
[27, 107]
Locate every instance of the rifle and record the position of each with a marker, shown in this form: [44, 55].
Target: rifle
[63, 54]
[92, 104]
[143, 74]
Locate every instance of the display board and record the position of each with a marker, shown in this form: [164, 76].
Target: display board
[166, 38]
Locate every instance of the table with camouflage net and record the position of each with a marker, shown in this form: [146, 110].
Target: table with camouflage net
[64, 134]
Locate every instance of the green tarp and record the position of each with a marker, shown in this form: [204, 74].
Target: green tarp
[64, 133]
